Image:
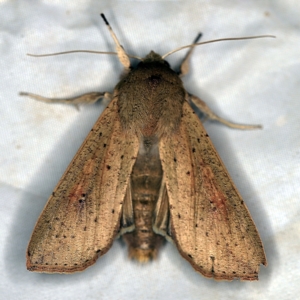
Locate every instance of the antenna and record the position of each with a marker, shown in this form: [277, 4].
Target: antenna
[219, 40]
[123, 57]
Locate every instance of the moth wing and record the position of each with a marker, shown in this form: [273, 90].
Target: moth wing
[210, 223]
[161, 216]
[82, 217]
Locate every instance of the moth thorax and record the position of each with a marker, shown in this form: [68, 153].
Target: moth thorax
[150, 98]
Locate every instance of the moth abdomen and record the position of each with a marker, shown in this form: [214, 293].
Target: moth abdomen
[146, 179]
[143, 242]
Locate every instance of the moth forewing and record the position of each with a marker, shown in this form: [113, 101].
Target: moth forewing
[82, 216]
[210, 223]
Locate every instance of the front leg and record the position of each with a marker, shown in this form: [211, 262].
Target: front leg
[88, 98]
[201, 105]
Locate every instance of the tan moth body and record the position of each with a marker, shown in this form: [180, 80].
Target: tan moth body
[147, 171]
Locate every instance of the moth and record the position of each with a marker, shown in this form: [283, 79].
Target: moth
[147, 171]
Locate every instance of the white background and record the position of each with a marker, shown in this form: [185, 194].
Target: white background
[254, 81]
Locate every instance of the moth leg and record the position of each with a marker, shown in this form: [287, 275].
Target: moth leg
[88, 98]
[210, 115]
[161, 218]
[185, 65]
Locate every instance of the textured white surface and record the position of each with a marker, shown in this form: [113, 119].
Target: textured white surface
[252, 82]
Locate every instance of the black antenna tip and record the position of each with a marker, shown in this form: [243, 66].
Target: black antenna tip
[103, 17]
[198, 38]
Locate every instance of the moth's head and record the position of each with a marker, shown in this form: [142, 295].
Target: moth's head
[154, 57]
